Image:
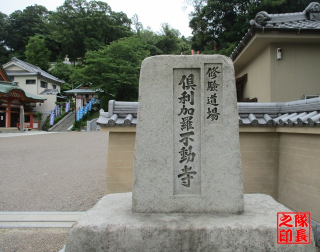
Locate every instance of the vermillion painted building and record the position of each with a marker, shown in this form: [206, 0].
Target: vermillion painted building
[12, 100]
[35, 81]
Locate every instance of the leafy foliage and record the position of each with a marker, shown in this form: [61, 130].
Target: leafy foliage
[79, 26]
[63, 72]
[24, 24]
[218, 25]
[4, 53]
[220, 22]
[37, 53]
[167, 42]
[114, 68]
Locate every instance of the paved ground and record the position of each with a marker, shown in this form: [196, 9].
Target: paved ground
[65, 124]
[52, 172]
[33, 239]
[49, 172]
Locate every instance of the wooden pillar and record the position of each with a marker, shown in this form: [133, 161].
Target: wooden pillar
[8, 114]
[31, 121]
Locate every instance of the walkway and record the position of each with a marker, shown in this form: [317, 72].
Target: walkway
[38, 219]
[25, 133]
[64, 124]
[43, 172]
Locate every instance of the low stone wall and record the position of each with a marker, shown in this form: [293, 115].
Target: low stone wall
[260, 162]
[120, 161]
[9, 130]
[92, 125]
[299, 172]
[280, 162]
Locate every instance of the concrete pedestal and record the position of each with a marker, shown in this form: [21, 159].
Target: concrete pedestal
[111, 226]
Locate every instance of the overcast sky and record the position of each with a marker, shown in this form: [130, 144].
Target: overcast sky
[150, 13]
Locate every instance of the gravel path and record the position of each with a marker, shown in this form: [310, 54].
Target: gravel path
[33, 239]
[52, 172]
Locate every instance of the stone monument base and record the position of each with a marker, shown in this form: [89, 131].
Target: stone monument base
[111, 226]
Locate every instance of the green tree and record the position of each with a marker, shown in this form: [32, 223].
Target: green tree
[137, 25]
[37, 53]
[150, 38]
[218, 25]
[25, 24]
[169, 40]
[220, 22]
[63, 72]
[114, 68]
[283, 6]
[4, 53]
[80, 26]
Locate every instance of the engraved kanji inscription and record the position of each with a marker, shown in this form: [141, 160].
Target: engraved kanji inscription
[213, 93]
[186, 176]
[187, 124]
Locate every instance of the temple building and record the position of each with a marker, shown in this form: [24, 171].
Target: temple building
[82, 95]
[277, 60]
[35, 81]
[12, 97]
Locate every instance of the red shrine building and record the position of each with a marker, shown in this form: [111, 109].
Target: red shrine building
[13, 99]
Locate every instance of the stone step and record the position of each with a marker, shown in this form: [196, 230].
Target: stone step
[38, 219]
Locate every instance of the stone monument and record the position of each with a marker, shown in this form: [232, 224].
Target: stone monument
[187, 190]
[187, 154]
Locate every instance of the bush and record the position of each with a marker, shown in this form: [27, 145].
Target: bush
[39, 118]
[81, 123]
[63, 104]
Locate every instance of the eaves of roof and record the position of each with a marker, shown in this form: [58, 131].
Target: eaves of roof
[31, 69]
[253, 30]
[281, 114]
[3, 74]
[300, 23]
[7, 87]
[49, 92]
[81, 91]
[16, 73]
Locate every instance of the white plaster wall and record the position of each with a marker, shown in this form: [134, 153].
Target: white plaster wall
[30, 88]
[258, 70]
[297, 73]
[48, 105]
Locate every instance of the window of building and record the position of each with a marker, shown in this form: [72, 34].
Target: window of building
[54, 86]
[12, 78]
[30, 81]
[43, 84]
[27, 118]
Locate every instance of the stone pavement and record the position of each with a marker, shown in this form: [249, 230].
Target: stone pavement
[32, 239]
[38, 219]
[25, 133]
[43, 171]
[64, 124]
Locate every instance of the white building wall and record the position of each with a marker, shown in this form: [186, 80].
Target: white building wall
[30, 88]
[48, 105]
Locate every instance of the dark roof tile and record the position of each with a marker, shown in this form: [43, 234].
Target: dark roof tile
[283, 114]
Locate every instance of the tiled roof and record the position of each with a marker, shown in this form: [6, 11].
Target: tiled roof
[81, 91]
[294, 113]
[308, 20]
[49, 92]
[7, 87]
[29, 70]
[119, 114]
